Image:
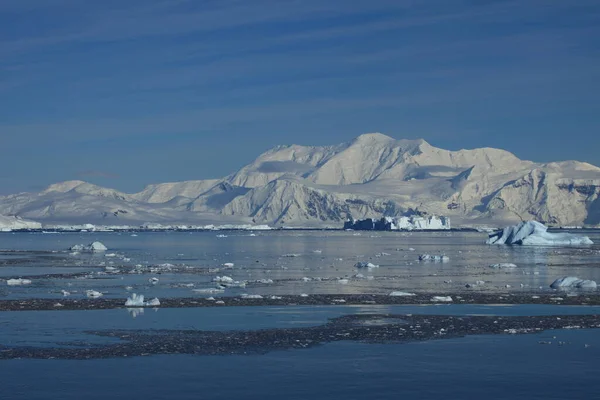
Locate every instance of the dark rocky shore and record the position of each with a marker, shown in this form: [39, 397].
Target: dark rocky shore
[557, 298]
[374, 328]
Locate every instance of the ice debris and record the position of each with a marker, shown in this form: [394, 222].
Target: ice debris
[573, 282]
[138, 301]
[445, 299]
[401, 294]
[364, 264]
[18, 281]
[429, 257]
[533, 233]
[93, 294]
[251, 296]
[94, 247]
[153, 281]
[503, 266]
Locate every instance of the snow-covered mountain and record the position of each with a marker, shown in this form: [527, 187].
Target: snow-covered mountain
[371, 176]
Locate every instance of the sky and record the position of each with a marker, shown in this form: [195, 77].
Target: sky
[128, 93]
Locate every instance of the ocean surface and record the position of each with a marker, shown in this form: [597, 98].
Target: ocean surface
[557, 364]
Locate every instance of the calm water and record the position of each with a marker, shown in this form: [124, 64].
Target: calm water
[493, 367]
[182, 261]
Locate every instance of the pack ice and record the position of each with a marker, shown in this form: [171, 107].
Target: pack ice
[532, 233]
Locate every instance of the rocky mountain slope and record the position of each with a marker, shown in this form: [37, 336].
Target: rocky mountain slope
[371, 176]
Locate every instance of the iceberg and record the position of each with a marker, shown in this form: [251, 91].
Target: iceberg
[503, 266]
[93, 294]
[94, 247]
[404, 223]
[533, 233]
[573, 282]
[138, 301]
[445, 299]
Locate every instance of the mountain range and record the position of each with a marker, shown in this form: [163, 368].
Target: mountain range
[371, 176]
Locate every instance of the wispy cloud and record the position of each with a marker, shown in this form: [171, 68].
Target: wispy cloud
[90, 173]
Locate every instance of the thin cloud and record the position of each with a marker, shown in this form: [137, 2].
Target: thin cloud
[97, 174]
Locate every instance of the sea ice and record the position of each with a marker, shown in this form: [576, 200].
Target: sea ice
[401, 294]
[93, 294]
[251, 296]
[223, 279]
[533, 233]
[573, 282]
[18, 281]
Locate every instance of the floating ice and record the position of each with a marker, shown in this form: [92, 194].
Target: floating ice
[429, 257]
[18, 281]
[343, 281]
[208, 290]
[93, 294]
[227, 265]
[65, 293]
[223, 279]
[503, 266]
[573, 282]
[153, 281]
[442, 299]
[94, 247]
[275, 297]
[532, 233]
[364, 264]
[401, 294]
[138, 301]
[251, 296]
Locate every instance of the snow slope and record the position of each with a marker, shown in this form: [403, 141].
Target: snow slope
[371, 176]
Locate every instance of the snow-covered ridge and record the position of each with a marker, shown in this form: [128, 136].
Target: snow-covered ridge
[323, 186]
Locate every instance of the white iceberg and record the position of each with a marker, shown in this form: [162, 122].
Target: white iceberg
[223, 279]
[251, 296]
[532, 233]
[138, 301]
[573, 282]
[18, 282]
[94, 247]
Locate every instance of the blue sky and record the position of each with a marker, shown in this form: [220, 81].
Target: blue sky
[126, 93]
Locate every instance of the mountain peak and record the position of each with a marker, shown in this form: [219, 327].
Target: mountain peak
[64, 187]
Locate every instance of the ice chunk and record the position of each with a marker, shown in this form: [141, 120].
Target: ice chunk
[251, 296]
[364, 264]
[227, 265]
[223, 279]
[18, 281]
[135, 300]
[533, 233]
[208, 290]
[442, 299]
[435, 258]
[93, 294]
[401, 294]
[65, 293]
[572, 282]
[503, 266]
[343, 281]
[94, 247]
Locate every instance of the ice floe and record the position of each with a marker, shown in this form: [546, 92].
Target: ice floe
[442, 299]
[573, 282]
[18, 282]
[398, 293]
[532, 233]
[93, 294]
